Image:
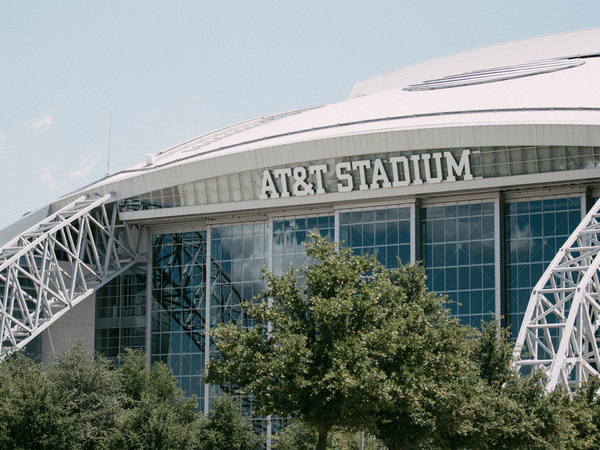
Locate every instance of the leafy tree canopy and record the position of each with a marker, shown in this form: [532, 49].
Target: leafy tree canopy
[353, 340]
[345, 343]
[226, 428]
[80, 401]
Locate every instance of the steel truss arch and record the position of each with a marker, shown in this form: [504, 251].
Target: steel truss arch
[57, 263]
[560, 331]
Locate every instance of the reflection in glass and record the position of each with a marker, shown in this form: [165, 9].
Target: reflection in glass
[457, 247]
[121, 313]
[178, 307]
[384, 232]
[534, 232]
[290, 234]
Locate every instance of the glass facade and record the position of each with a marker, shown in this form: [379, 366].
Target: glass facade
[457, 249]
[238, 255]
[484, 255]
[534, 232]
[290, 234]
[384, 232]
[178, 318]
[121, 314]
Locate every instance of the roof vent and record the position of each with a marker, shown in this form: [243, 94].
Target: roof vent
[496, 74]
[150, 159]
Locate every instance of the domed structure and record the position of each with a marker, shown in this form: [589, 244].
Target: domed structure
[479, 164]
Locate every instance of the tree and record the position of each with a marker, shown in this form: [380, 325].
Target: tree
[29, 414]
[81, 402]
[434, 392]
[89, 393]
[519, 413]
[346, 345]
[226, 428]
[306, 355]
[135, 376]
[157, 414]
[296, 436]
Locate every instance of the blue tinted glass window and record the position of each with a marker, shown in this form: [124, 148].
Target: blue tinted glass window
[121, 313]
[236, 270]
[457, 248]
[534, 232]
[179, 305]
[292, 233]
[384, 232]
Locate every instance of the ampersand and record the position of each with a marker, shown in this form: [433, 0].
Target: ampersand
[301, 187]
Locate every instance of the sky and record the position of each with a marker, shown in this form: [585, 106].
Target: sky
[151, 74]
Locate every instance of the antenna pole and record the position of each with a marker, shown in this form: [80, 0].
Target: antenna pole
[109, 127]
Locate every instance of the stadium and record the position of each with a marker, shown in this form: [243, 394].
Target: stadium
[483, 165]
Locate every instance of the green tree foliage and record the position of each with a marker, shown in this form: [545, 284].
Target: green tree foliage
[436, 394]
[30, 417]
[82, 402]
[89, 393]
[350, 347]
[314, 360]
[157, 414]
[519, 413]
[226, 428]
[587, 414]
[297, 436]
[355, 346]
[133, 367]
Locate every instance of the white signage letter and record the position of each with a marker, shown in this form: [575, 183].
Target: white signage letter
[283, 175]
[415, 160]
[438, 167]
[361, 166]
[464, 166]
[268, 186]
[395, 161]
[318, 171]
[379, 176]
[301, 187]
[339, 167]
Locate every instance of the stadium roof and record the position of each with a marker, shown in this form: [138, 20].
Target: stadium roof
[544, 81]
[551, 79]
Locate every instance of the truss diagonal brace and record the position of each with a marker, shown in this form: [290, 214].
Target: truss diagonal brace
[57, 263]
[560, 331]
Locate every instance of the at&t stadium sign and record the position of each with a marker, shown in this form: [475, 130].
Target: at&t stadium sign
[365, 174]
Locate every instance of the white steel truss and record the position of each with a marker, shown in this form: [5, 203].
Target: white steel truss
[54, 265]
[560, 331]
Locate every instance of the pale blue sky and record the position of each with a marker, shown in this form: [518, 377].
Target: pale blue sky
[170, 71]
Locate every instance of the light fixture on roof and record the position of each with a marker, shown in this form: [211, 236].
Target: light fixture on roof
[150, 159]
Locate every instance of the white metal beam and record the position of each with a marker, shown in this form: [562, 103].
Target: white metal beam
[560, 331]
[54, 265]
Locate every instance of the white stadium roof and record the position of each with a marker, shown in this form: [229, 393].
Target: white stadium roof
[549, 81]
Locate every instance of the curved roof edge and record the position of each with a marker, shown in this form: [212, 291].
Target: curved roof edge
[412, 139]
[567, 44]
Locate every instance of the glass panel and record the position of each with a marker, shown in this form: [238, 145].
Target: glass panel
[179, 302]
[382, 231]
[121, 314]
[289, 249]
[535, 230]
[455, 248]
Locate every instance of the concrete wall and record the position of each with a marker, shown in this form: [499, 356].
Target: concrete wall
[74, 325]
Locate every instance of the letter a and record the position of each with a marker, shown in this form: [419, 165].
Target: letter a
[268, 186]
